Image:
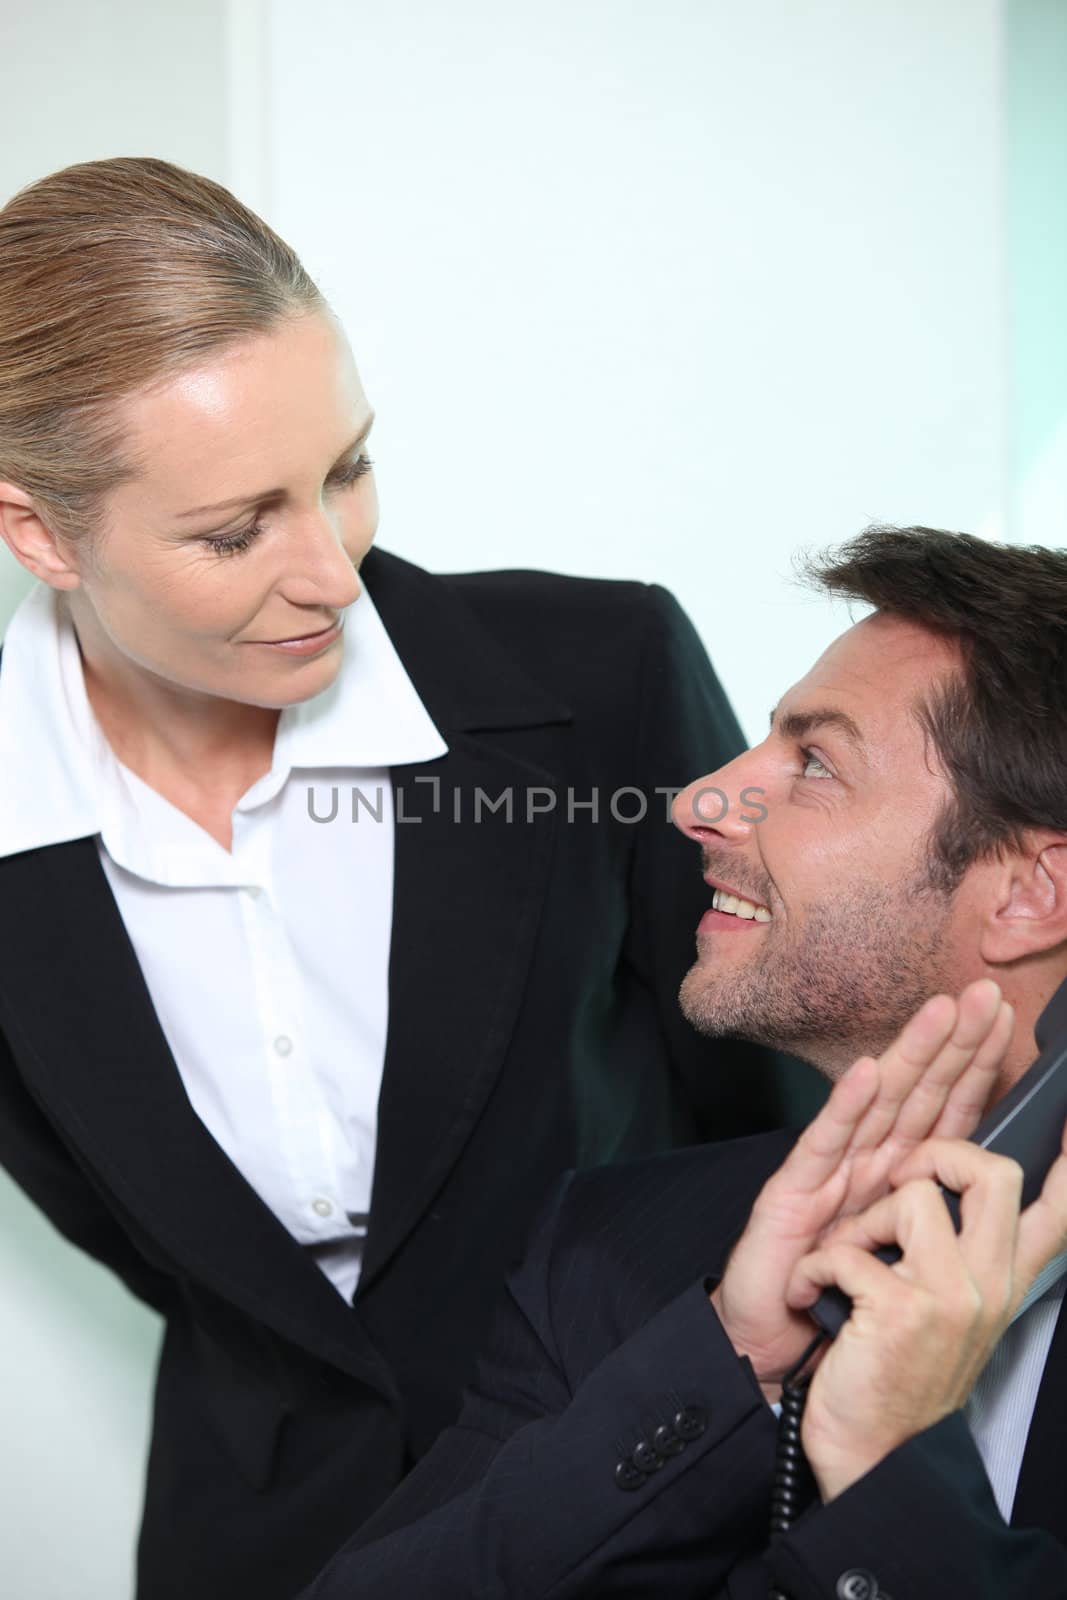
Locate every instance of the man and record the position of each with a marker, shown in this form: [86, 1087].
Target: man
[910, 841]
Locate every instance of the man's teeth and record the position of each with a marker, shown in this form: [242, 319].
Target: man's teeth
[721, 901]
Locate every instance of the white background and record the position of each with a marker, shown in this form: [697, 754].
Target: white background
[659, 292]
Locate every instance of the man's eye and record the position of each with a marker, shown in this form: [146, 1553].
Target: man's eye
[813, 760]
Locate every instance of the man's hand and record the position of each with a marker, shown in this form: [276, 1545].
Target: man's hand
[921, 1331]
[933, 1080]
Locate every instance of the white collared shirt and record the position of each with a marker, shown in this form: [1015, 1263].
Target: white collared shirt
[267, 965]
[1000, 1408]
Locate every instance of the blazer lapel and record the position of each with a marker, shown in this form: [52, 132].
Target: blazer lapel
[467, 900]
[81, 1022]
[466, 905]
[467, 894]
[1040, 1499]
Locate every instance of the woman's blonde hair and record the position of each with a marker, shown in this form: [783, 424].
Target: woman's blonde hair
[114, 274]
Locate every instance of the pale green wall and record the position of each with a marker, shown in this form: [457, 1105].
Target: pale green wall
[111, 78]
[1036, 193]
[80, 82]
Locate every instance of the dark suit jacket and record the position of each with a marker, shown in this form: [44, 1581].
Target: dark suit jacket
[533, 1027]
[613, 1444]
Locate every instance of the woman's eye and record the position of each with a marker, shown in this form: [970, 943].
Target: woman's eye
[229, 544]
[813, 760]
[352, 471]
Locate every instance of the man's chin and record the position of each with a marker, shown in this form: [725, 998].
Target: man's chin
[706, 1011]
[830, 1051]
[719, 1016]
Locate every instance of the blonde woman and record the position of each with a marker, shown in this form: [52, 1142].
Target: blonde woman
[332, 928]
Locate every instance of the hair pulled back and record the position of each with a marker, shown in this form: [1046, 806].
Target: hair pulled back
[115, 274]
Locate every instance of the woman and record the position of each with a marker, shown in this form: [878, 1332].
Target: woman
[327, 939]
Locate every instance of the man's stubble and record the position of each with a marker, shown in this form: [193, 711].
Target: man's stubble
[842, 987]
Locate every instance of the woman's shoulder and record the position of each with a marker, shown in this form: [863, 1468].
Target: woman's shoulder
[515, 598]
[598, 646]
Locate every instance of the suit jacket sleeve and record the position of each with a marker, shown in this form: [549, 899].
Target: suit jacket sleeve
[533, 1492]
[43, 1167]
[526, 1497]
[686, 728]
[921, 1525]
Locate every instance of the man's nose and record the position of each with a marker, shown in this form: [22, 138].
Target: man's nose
[725, 803]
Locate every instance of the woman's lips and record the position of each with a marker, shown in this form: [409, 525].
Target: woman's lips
[310, 645]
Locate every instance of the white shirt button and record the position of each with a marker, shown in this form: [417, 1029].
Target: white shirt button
[322, 1208]
[283, 1044]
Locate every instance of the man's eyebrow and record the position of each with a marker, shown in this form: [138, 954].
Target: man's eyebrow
[800, 724]
[268, 494]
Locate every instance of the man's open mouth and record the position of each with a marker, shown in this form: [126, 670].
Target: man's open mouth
[734, 906]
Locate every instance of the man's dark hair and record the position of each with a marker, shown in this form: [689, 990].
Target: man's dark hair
[1000, 726]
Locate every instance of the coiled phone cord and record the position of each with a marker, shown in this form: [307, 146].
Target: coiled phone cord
[789, 1464]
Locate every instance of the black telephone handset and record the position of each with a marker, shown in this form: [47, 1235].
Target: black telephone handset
[1026, 1125]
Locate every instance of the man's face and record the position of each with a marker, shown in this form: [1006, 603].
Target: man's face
[850, 935]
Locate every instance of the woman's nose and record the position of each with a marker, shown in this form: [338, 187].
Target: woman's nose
[326, 568]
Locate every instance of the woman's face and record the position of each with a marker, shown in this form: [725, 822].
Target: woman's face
[252, 511]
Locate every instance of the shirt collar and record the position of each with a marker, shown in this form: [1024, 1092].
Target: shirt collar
[61, 777]
[1048, 1279]
[370, 716]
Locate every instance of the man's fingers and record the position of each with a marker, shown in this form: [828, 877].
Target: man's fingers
[938, 1069]
[818, 1152]
[900, 1067]
[978, 1016]
[960, 1165]
[862, 1276]
[970, 1274]
[914, 1217]
[929, 1059]
[970, 1093]
[988, 1187]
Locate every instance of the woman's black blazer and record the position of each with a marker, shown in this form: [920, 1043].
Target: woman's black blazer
[533, 1028]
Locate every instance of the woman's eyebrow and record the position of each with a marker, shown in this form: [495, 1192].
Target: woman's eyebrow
[268, 494]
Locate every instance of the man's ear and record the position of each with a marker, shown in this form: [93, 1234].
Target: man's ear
[32, 542]
[1027, 914]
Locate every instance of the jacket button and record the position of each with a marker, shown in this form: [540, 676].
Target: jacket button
[627, 1476]
[645, 1459]
[667, 1441]
[690, 1422]
[855, 1584]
